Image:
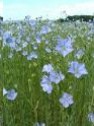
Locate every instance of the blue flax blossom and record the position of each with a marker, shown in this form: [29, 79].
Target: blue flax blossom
[53, 75]
[78, 69]
[32, 23]
[50, 78]
[91, 117]
[64, 46]
[56, 77]
[79, 53]
[32, 55]
[8, 39]
[24, 44]
[66, 100]
[10, 94]
[45, 29]
[47, 68]
[38, 39]
[46, 84]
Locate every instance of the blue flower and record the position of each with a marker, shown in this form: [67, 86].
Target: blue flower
[66, 100]
[79, 53]
[46, 84]
[8, 40]
[24, 44]
[32, 23]
[91, 117]
[38, 39]
[56, 77]
[7, 37]
[77, 69]
[32, 55]
[64, 46]
[11, 94]
[51, 77]
[45, 29]
[47, 68]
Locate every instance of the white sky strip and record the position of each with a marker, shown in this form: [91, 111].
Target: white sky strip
[19, 11]
[1, 8]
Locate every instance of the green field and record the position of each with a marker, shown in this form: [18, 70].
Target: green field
[25, 48]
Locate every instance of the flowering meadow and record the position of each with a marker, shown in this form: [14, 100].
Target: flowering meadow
[46, 73]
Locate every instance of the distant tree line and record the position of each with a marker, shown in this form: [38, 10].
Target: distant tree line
[86, 18]
[1, 18]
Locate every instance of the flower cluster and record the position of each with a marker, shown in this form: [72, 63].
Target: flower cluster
[51, 77]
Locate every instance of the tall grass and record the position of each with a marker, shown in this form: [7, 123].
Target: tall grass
[32, 104]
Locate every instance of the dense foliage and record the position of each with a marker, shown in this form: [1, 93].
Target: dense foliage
[47, 73]
[86, 18]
